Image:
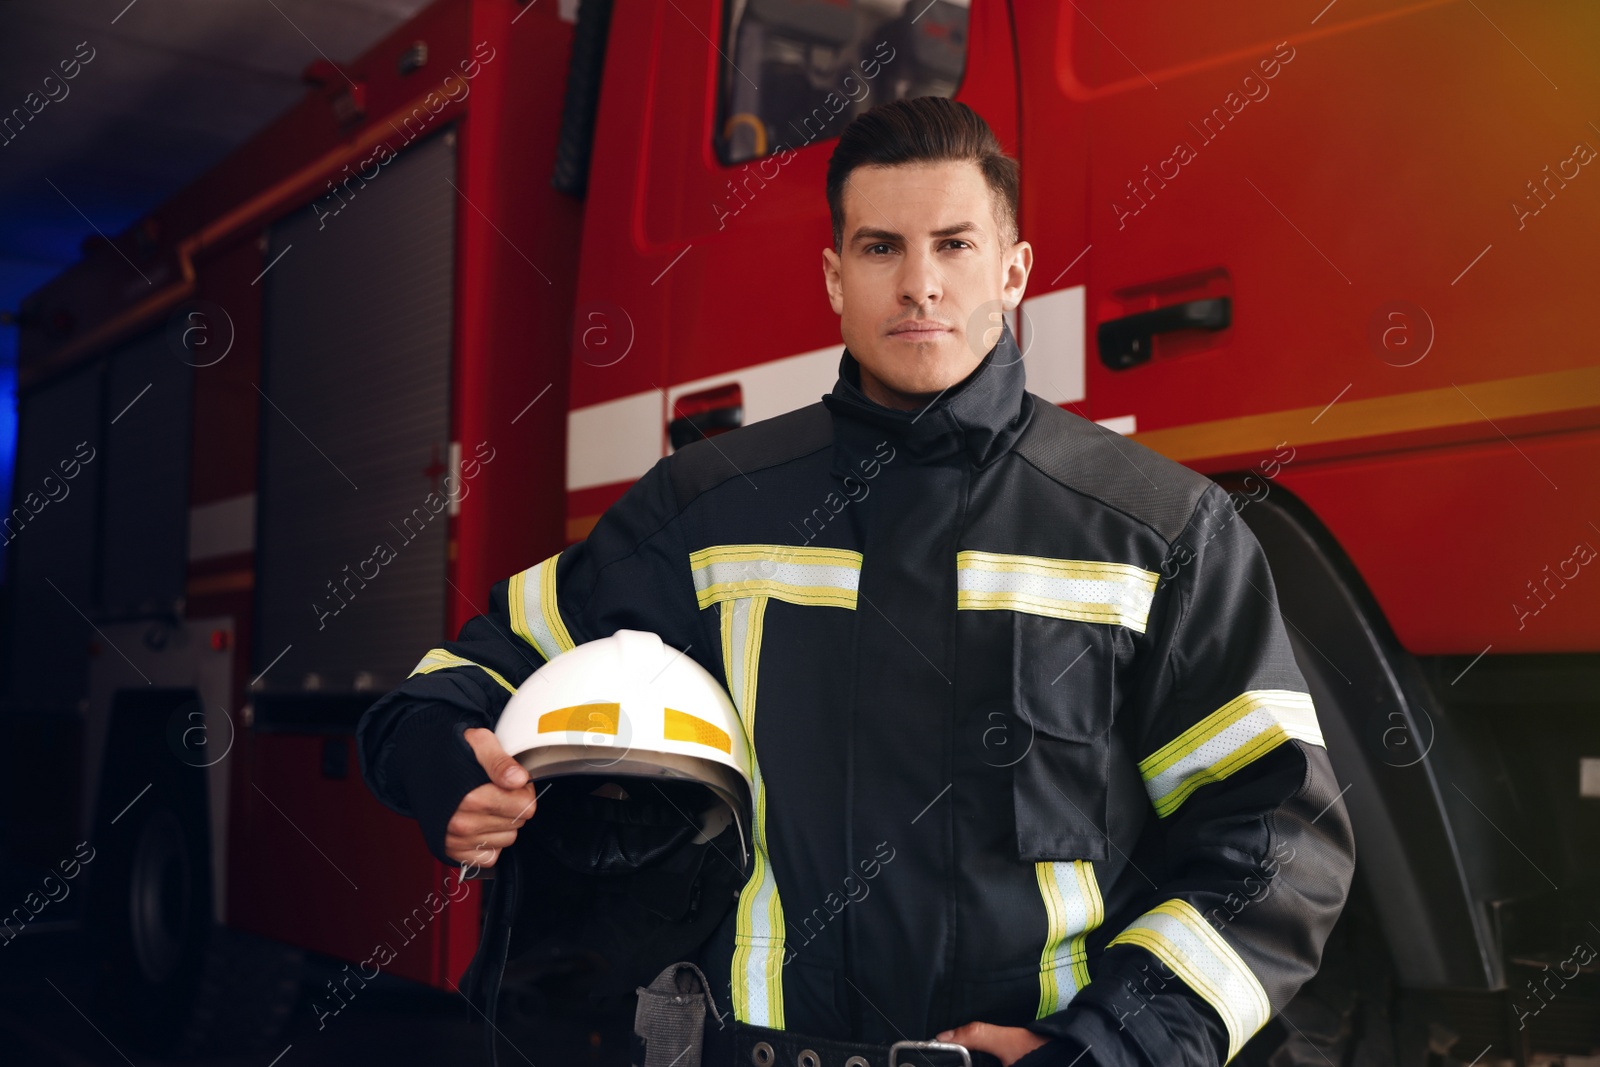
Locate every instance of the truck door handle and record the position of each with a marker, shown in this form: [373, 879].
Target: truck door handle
[1126, 342]
[706, 413]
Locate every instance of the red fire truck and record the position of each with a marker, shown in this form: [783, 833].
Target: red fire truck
[423, 329]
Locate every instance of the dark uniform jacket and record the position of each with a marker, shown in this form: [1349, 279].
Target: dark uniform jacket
[1031, 744]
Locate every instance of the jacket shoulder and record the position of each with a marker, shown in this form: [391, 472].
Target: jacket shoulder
[1090, 459]
[703, 465]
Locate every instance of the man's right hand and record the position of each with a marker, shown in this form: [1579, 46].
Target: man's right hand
[488, 818]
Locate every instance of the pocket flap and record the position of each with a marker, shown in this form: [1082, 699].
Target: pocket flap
[1059, 797]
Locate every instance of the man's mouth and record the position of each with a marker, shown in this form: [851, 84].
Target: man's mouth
[920, 330]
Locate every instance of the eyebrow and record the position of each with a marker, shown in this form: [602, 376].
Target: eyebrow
[867, 232]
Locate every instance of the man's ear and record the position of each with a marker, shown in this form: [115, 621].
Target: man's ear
[833, 280]
[1019, 262]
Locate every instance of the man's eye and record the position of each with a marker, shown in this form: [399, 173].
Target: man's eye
[870, 248]
[958, 241]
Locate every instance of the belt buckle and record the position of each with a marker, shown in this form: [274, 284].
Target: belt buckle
[930, 1046]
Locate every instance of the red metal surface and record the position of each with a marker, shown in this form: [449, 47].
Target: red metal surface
[1455, 543]
[332, 869]
[1380, 158]
[515, 278]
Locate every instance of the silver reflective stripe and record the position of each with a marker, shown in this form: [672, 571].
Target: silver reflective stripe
[1072, 907]
[823, 577]
[535, 610]
[757, 968]
[718, 581]
[1241, 731]
[1085, 590]
[1177, 935]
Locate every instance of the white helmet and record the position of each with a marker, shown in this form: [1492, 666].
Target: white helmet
[631, 706]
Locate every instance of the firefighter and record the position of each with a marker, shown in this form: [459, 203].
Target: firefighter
[1034, 769]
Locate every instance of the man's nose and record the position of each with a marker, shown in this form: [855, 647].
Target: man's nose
[921, 281]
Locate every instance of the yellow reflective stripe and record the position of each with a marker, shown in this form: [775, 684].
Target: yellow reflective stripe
[834, 557]
[681, 726]
[823, 577]
[1242, 730]
[1176, 934]
[1084, 590]
[1072, 907]
[813, 595]
[438, 659]
[535, 612]
[758, 938]
[599, 718]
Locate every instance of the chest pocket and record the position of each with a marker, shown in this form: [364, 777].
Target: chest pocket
[1071, 620]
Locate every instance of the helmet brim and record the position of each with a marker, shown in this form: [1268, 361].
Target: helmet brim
[724, 783]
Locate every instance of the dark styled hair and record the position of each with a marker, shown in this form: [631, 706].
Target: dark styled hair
[923, 129]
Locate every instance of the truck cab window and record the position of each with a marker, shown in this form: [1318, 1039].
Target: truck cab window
[795, 72]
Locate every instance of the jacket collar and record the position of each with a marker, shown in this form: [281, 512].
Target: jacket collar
[981, 416]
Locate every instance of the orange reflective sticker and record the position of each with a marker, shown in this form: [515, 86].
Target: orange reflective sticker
[681, 726]
[582, 718]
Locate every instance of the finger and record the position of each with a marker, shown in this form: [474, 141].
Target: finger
[1007, 1043]
[502, 839]
[483, 850]
[972, 1035]
[475, 850]
[461, 825]
[491, 799]
[472, 823]
[499, 765]
[466, 824]
[474, 857]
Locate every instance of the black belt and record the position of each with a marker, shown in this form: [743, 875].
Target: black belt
[743, 1045]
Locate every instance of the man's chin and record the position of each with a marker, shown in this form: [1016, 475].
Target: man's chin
[917, 374]
[923, 388]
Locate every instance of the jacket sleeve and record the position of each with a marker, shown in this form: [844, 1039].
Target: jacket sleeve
[632, 571]
[1258, 854]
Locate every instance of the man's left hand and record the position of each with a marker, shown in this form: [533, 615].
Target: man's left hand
[1008, 1043]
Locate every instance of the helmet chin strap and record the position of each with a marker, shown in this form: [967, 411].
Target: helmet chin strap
[713, 821]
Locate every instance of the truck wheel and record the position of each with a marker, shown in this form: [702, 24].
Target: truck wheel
[171, 980]
[1351, 1013]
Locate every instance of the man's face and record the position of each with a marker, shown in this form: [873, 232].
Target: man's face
[921, 249]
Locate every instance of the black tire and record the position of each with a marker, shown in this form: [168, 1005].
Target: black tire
[171, 981]
[1353, 1012]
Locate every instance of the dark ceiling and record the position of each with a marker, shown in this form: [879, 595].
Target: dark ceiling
[171, 87]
